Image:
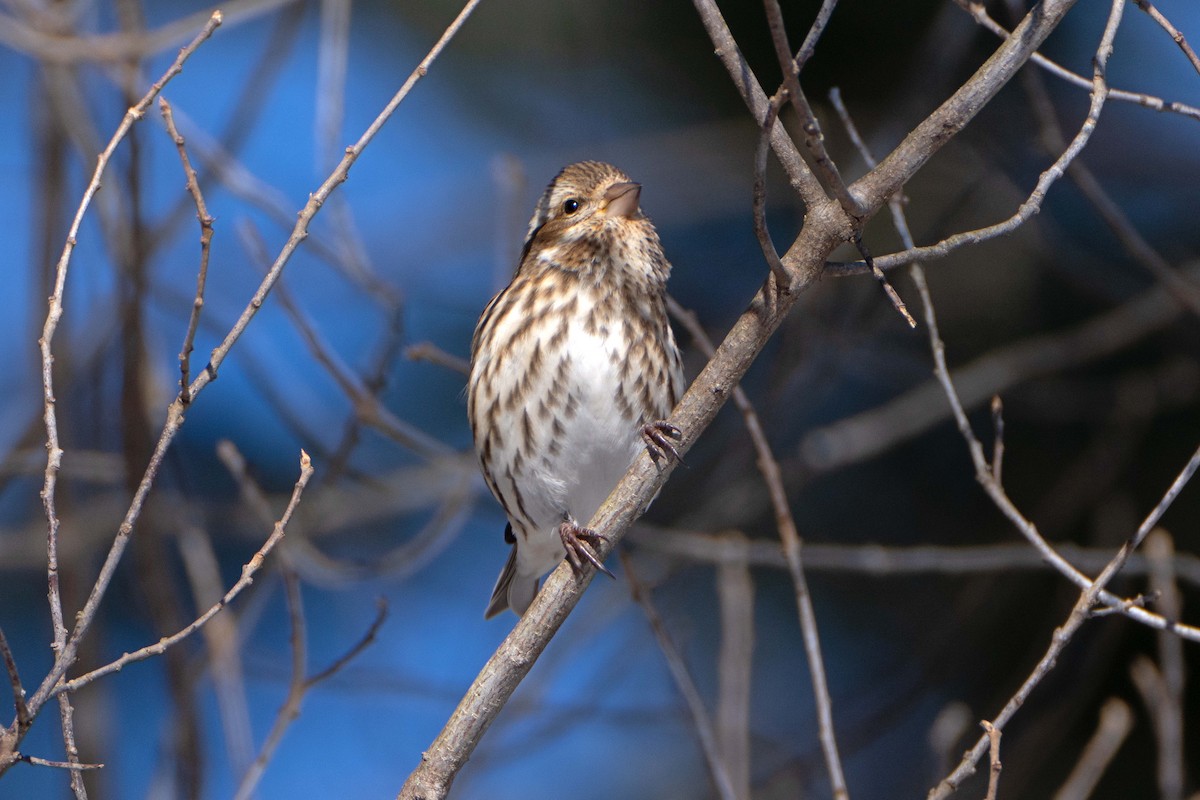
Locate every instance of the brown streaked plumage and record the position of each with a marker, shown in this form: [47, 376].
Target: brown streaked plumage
[573, 368]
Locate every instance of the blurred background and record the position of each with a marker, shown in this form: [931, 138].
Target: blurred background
[356, 361]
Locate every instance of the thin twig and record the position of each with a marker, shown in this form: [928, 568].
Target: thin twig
[248, 571]
[175, 411]
[803, 181]
[14, 679]
[1172, 31]
[68, 765]
[978, 12]
[782, 279]
[1080, 613]
[814, 140]
[993, 734]
[64, 650]
[1032, 204]
[206, 234]
[814, 33]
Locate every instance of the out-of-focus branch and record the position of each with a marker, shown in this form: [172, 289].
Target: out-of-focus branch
[735, 669]
[875, 430]
[1183, 288]
[705, 731]
[114, 48]
[881, 560]
[367, 406]
[1116, 720]
[789, 538]
[1162, 687]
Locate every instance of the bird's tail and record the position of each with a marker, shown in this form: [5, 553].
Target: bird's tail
[513, 590]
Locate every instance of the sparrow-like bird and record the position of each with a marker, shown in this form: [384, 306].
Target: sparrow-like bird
[573, 368]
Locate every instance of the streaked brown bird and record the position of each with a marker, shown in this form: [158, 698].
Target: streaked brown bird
[573, 368]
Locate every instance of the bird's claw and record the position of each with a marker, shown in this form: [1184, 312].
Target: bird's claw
[658, 437]
[576, 540]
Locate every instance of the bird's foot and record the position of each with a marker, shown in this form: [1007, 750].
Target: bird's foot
[658, 437]
[580, 544]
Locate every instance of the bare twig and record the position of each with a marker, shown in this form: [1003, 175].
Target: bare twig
[248, 571]
[835, 98]
[889, 291]
[175, 411]
[814, 33]
[206, 234]
[62, 646]
[1033, 203]
[798, 172]
[814, 140]
[68, 765]
[1172, 31]
[979, 13]
[1065, 632]
[14, 679]
[782, 279]
[993, 734]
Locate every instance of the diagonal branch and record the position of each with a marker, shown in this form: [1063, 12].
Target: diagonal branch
[825, 227]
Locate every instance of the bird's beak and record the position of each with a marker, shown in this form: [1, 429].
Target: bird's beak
[621, 199]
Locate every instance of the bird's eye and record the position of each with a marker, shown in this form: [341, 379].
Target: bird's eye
[570, 205]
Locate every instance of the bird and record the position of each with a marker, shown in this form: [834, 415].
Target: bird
[574, 368]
